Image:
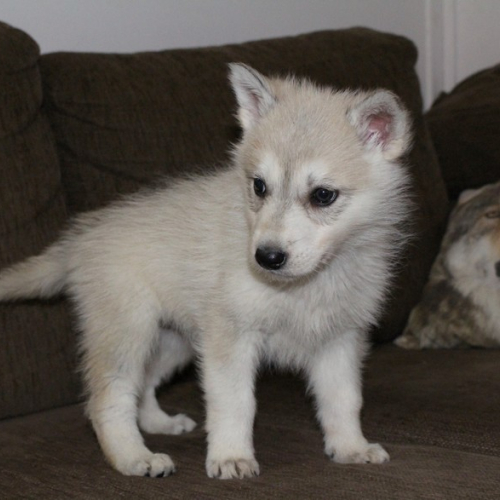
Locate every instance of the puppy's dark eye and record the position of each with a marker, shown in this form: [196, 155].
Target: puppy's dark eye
[259, 186]
[322, 197]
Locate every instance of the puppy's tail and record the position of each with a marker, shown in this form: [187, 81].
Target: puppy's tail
[41, 276]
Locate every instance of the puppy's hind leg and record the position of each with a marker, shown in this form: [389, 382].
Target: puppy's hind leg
[174, 353]
[118, 342]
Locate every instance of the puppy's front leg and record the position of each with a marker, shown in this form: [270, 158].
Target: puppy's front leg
[335, 377]
[229, 362]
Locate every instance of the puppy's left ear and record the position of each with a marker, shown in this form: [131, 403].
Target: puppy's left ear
[253, 93]
[382, 124]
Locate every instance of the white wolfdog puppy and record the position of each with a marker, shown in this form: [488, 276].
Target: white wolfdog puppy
[285, 258]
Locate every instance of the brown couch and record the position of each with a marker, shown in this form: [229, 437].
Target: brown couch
[78, 130]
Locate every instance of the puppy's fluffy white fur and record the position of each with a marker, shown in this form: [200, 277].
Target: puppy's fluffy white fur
[171, 274]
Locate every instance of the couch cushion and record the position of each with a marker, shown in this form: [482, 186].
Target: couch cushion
[36, 369]
[438, 420]
[465, 129]
[124, 120]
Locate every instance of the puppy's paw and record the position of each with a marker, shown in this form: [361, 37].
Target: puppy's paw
[151, 465]
[232, 468]
[158, 422]
[179, 424]
[370, 453]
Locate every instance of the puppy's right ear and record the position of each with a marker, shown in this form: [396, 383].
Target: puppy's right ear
[382, 124]
[253, 93]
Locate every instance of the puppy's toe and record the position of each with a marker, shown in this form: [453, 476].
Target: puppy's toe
[371, 453]
[152, 465]
[232, 469]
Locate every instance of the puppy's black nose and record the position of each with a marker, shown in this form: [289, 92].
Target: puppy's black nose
[270, 258]
[497, 268]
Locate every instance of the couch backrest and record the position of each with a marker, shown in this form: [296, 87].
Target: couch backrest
[121, 121]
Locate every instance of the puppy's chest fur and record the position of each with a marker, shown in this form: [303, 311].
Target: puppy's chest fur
[294, 322]
[290, 336]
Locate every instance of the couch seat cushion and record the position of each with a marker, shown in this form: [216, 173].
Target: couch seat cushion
[438, 420]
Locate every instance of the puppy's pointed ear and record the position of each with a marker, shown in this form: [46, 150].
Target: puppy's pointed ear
[382, 124]
[253, 93]
[468, 194]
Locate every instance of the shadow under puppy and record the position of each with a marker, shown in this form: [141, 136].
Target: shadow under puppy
[283, 258]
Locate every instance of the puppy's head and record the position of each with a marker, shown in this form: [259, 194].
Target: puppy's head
[318, 166]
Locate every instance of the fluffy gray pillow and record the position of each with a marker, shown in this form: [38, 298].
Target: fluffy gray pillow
[460, 306]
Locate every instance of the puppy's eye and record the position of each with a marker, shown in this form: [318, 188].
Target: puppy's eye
[259, 186]
[322, 197]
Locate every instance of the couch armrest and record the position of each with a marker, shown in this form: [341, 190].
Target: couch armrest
[35, 369]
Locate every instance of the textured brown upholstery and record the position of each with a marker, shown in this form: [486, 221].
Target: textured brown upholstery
[439, 422]
[36, 357]
[465, 127]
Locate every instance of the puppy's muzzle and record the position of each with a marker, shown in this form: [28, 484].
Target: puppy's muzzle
[270, 258]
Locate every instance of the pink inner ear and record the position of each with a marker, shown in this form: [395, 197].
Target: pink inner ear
[255, 104]
[379, 128]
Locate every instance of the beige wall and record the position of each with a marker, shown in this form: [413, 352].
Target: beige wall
[454, 37]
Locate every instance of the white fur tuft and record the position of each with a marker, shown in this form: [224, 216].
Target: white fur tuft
[41, 276]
